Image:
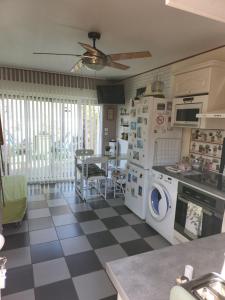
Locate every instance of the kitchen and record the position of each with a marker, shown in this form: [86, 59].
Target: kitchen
[121, 197]
[190, 192]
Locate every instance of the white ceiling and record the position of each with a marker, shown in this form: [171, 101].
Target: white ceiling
[126, 25]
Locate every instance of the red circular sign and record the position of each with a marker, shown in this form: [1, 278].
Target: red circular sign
[160, 120]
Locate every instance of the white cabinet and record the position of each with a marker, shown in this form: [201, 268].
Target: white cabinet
[192, 83]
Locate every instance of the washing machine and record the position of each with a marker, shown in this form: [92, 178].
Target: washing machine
[161, 206]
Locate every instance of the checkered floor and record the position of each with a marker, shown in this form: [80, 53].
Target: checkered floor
[60, 251]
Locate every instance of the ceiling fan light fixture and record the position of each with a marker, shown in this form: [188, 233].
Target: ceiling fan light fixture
[94, 67]
[96, 63]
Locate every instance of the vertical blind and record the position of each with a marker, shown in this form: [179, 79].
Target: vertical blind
[42, 133]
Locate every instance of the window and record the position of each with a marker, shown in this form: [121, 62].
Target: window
[41, 135]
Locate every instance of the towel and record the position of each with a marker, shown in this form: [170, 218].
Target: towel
[193, 225]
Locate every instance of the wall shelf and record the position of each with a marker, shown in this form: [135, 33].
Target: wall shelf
[208, 142]
[207, 155]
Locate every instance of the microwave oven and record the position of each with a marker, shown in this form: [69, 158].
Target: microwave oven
[185, 110]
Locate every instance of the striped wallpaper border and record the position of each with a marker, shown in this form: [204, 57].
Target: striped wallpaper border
[47, 78]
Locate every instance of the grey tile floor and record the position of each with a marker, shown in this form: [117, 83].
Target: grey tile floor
[60, 250]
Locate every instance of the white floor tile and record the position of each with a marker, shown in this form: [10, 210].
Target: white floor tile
[93, 286]
[125, 234]
[131, 219]
[106, 212]
[38, 213]
[110, 253]
[43, 236]
[40, 197]
[157, 242]
[92, 226]
[64, 219]
[17, 257]
[50, 271]
[75, 245]
[56, 202]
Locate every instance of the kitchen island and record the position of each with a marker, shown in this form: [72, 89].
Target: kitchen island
[151, 275]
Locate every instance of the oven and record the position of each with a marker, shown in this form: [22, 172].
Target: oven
[198, 214]
[185, 110]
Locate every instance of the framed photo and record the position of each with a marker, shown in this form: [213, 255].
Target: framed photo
[110, 114]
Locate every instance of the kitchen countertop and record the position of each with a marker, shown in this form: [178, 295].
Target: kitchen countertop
[151, 275]
[182, 178]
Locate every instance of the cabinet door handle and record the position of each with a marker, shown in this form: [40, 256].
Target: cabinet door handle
[188, 99]
[182, 199]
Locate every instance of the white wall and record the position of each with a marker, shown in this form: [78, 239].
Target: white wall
[165, 74]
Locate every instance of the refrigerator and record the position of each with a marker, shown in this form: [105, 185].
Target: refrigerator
[151, 141]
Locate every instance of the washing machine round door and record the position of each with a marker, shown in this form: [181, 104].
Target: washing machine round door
[158, 202]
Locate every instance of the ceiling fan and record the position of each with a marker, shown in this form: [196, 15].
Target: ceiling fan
[95, 59]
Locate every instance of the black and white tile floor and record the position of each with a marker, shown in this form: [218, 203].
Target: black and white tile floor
[60, 251]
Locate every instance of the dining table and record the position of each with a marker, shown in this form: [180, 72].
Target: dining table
[84, 159]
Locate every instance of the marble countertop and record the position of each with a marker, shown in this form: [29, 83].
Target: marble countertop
[184, 179]
[151, 275]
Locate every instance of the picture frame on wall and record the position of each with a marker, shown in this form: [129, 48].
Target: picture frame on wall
[110, 114]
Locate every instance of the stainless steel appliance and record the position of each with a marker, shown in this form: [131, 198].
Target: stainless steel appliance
[209, 207]
[186, 108]
[208, 287]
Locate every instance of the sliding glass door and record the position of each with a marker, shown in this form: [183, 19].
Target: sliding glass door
[42, 134]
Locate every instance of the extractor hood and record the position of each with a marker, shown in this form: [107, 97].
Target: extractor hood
[212, 119]
[212, 115]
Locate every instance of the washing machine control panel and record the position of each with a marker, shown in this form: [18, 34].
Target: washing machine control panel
[163, 177]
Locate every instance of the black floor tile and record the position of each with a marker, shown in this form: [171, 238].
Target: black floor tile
[40, 223]
[114, 222]
[17, 240]
[52, 196]
[13, 228]
[19, 279]
[136, 247]
[59, 210]
[86, 216]
[46, 251]
[61, 290]
[37, 204]
[101, 239]
[83, 263]
[68, 231]
[114, 297]
[96, 204]
[122, 210]
[144, 230]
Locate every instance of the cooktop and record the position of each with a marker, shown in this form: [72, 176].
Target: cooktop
[214, 180]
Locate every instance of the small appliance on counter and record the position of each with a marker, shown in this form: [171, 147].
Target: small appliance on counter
[208, 287]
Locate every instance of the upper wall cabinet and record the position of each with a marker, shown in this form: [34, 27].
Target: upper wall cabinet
[190, 107]
[192, 82]
[205, 78]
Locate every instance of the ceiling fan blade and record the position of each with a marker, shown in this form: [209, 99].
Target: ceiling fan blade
[117, 65]
[89, 48]
[77, 66]
[130, 55]
[52, 53]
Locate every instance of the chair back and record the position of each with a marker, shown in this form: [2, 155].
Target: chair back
[102, 160]
[84, 152]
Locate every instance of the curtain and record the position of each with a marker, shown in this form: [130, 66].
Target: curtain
[43, 131]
